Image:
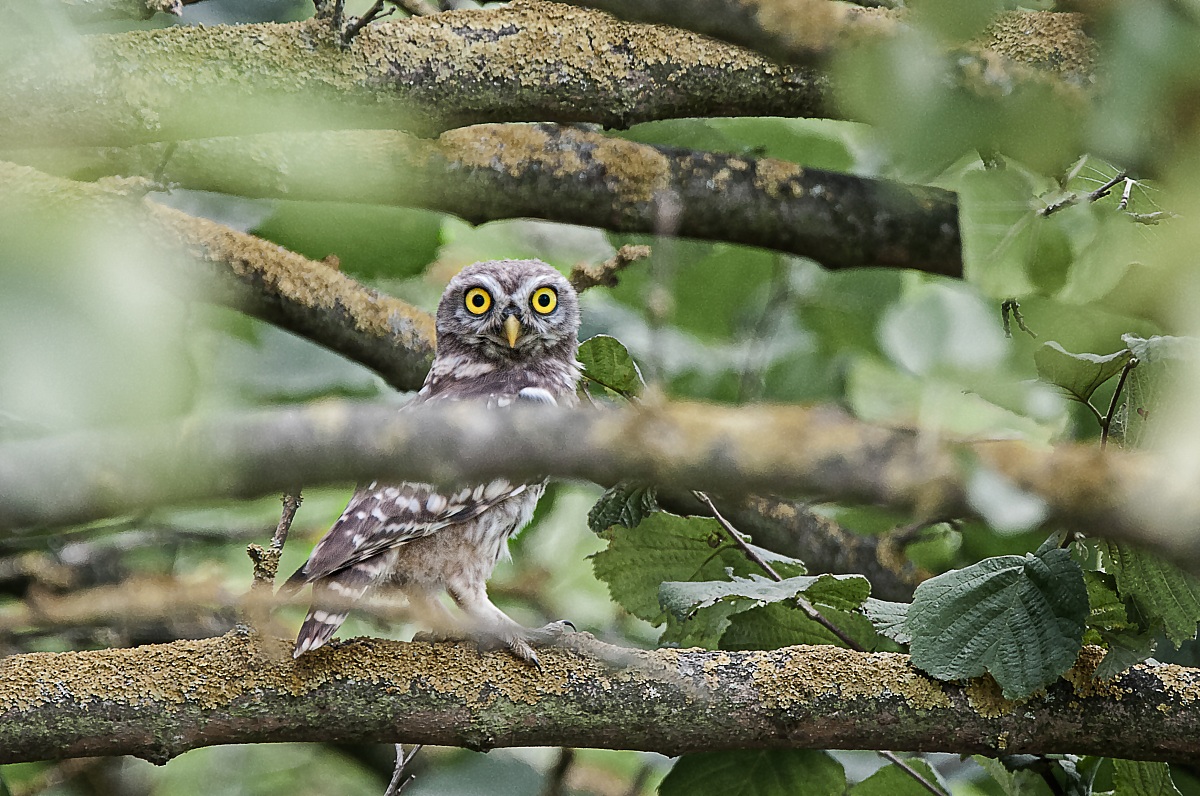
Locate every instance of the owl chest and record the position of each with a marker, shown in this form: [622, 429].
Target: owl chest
[464, 552]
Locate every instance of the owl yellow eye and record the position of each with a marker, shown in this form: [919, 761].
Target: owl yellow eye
[544, 300]
[478, 301]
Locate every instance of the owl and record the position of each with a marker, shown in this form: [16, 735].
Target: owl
[507, 331]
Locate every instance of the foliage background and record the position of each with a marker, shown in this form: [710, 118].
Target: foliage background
[86, 342]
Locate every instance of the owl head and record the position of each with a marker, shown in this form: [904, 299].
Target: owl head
[508, 311]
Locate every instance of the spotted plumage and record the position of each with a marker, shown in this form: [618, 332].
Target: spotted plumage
[507, 331]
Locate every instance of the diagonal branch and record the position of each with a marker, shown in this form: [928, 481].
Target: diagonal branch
[487, 172]
[159, 701]
[73, 478]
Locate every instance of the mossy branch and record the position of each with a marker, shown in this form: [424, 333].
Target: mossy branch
[528, 61]
[747, 450]
[160, 701]
[494, 171]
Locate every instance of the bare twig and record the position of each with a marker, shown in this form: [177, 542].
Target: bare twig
[418, 8]
[587, 275]
[266, 561]
[1013, 307]
[398, 781]
[912, 772]
[373, 13]
[1106, 423]
[556, 778]
[1074, 198]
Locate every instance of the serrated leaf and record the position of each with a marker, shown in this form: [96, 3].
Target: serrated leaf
[895, 781]
[683, 598]
[624, 504]
[769, 772]
[1079, 375]
[607, 362]
[1106, 611]
[888, 618]
[1125, 648]
[1138, 778]
[663, 547]
[1014, 783]
[783, 625]
[1156, 378]
[1019, 618]
[1159, 590]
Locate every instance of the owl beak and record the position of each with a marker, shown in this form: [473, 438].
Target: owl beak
[512, 330]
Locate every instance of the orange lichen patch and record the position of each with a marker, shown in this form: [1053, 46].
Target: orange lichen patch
[809, 672]
[778, 178]
[1082, 676]
[635, 172]
[985, 698]
[303, 281]
[1179, 681]
[817, 26]
[1048, 40]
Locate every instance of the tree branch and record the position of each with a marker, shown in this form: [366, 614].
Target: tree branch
[528, 61]
[96, 10]
[255, 276]
[748, 450]
[159, 701]
[487, 172]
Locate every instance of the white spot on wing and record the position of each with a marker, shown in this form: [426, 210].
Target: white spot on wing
[435, 503]
[537, 395]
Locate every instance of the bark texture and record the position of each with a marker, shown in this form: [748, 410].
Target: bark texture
[747, 450]
[159, 701]
[529, 61]
[488, 172]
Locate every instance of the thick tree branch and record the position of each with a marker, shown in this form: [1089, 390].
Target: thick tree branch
[495, 171]
[529, 61]
[159, 701]
[95, 10]
[749, 450]
[219, 264]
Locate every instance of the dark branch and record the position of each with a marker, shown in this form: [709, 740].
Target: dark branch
[487, 172]
[748, 450]
[159, 701]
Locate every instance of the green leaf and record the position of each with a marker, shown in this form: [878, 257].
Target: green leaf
[1079, 375]
[624, 504]
[664, 547]
[1127, 641]
[684, 598]
[783, 625]
[1125, 648]
[1158, 375]
[1160, 590]
[889, 619]
[895, 781]
[1019, 618]
[1106, 611]
[1014, 783]
[1137, 778]
[771, 772]
[607, 362]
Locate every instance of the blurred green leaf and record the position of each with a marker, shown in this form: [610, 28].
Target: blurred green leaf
[607, 362]
[1019, 618]
[1079, 375]
[782, 625]
[892, 780]
[1014, 783]
[1160, 590]
[1142, 778]
[683, 598]
[770, 772]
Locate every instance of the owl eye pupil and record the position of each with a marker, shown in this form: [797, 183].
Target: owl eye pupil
[543, 300]
[477, 300]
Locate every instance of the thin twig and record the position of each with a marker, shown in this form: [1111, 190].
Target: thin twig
[1074, 198]
[585, 275]
[1112, 405]
[373, 13]
[912, 772]
[556, 778]
[753, 555]
[398, 780]
[418, 8]
[1012, 307]
[266, 562]
[1125, 194]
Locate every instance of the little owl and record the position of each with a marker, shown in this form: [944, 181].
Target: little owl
[507, 330]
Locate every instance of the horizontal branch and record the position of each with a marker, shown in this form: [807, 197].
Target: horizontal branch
[222, 265]
[528, 61]
[159, 701]
[95, 10]
[748, 450]
[494, 171]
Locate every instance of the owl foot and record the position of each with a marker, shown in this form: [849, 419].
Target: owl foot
[520, 643]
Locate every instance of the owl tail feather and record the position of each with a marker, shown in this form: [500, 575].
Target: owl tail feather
[330, 597]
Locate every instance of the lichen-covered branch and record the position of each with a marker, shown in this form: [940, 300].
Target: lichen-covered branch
[748, 450]
[487, 172]
[795, 31]
[218, 264]
[528, 61]
[159, 701]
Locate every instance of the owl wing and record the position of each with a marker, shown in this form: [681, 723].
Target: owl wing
[382, 516]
